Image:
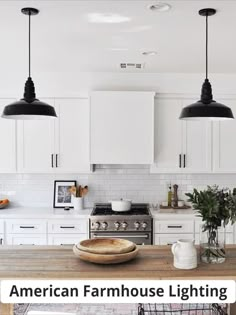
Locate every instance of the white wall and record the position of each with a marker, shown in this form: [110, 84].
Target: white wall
[79, 84]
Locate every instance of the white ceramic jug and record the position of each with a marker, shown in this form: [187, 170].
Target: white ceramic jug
[185, 254]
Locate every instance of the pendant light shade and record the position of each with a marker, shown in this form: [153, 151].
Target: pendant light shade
[29, 107]
[206, 107]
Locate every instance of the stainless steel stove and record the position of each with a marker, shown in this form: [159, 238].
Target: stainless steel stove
[135, 225]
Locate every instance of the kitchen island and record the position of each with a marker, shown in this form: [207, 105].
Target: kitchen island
[59, 262]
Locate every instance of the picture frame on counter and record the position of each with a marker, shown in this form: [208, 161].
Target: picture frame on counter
[62, 196]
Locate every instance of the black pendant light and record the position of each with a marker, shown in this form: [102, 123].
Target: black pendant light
[29, 107]
[206, 107]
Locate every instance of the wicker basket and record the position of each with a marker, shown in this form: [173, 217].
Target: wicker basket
[182, 309]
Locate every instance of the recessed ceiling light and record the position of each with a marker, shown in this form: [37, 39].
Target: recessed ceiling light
[107, 18]
[160, 7]
[149, 53]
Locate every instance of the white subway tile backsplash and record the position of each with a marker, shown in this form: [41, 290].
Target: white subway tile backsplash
[106, 183]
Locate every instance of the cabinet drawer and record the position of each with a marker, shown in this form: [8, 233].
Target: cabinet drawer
[26, 239]
[58, 239]
[174, 227]
[229, 228]
[26, 226]
[229, 238]
[163, 239]
[68, 227]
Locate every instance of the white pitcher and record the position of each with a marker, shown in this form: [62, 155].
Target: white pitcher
[185, 254]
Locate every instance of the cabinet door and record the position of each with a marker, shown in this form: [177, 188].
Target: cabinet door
[72, 140]
[168, 136]
[122, 127]
[7, 140]
[36, 144]
[196, 149]
[224, 149]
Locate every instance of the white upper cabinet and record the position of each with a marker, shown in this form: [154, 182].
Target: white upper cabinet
[180, 146]
[72, 142]
[59, 145]
[36, 144]
[7, 140]
[122, 127]
[168, 135]
[197, 141]
[224, 148]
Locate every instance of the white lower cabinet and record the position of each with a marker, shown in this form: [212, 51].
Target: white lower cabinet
[169, 230]
[61, 239]
[67, 232]
[44, 232]
[26, 239]
[68, 226]
[165, 239]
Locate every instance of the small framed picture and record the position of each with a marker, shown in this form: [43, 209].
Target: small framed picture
[62, 194]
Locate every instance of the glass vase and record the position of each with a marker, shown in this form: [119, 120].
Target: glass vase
[212, 244]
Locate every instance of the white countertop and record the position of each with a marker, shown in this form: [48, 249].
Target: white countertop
[57, 213]
[177, 214]
[43, 213]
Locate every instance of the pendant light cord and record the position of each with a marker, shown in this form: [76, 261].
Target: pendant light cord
[29, 44]
[207, 46]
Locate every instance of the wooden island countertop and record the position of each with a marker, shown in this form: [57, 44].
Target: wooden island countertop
[59, 262]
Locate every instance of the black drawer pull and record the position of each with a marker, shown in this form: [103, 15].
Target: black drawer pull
[180, 162]
[67, 244]
[27, 244]
[170, 243]
[67, 227]
[52, 160]
[184, 160]
[27, 227]
[174, 226]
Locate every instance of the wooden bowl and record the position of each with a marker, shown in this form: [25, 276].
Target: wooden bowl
[105, 259]
[106, 246]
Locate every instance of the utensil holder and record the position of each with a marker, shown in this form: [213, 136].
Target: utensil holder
[78, 203]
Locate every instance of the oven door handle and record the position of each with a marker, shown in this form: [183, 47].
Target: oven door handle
[146, 236]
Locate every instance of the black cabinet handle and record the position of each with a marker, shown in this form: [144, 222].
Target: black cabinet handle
[184, 160]
[52, 160]
[1, 241]
[180, 162]
[174, 226]
[67, 227]
[56, 160]
[27, 227]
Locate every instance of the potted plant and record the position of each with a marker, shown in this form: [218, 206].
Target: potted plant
[217, 207]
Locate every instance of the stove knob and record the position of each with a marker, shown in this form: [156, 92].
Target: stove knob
[144, 225]
[124, 225]
[104, 225]
[117, 225]
[97, 225]
[136, 225]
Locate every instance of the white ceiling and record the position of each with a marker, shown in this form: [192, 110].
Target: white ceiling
[64, 39]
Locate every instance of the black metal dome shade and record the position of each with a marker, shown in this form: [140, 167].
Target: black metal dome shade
[206, 107]
[29, 107]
